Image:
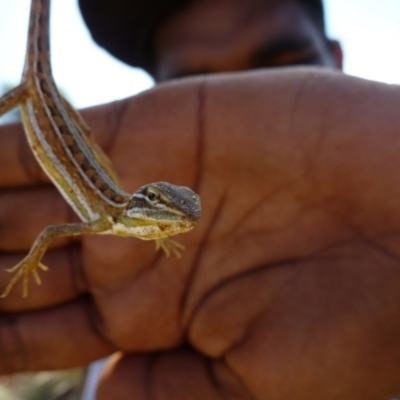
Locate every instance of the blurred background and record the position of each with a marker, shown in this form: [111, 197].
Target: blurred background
[369, 31]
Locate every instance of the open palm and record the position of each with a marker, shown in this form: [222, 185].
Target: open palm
[289, 286]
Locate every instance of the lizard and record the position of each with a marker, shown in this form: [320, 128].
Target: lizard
[64, 147]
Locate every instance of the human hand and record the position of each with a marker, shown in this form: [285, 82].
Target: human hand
[289, 286]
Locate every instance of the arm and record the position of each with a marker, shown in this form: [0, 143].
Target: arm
[289, 286]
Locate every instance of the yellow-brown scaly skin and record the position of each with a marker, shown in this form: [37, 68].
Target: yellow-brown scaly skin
[65, 149]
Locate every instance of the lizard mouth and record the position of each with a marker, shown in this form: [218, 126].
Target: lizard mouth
[146, 229]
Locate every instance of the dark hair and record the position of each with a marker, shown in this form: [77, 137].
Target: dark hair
[125, 28]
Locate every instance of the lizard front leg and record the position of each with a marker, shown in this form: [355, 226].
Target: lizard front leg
[168, 246]
[32, 262]
[13, 98]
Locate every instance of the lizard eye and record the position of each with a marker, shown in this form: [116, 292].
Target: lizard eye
[152, 196]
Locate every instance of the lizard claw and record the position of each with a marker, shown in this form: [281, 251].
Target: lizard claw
[168, 245]
[23, 270]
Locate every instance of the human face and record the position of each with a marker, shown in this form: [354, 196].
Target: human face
[210, 36]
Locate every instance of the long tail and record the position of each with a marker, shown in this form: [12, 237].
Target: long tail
[38, 46]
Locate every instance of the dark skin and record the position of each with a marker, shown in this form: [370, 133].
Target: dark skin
[236, 35]
[289, 287]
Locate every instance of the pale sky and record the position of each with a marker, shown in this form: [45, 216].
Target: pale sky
[368, 29]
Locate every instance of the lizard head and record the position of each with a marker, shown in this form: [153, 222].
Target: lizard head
[162, 210]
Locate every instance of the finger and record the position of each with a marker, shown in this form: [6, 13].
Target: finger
[59, 337]
[153, 136]
[104, 266]
[127, 130]
[24, 212]
[17, 163]
[175, 375]
[70, 274]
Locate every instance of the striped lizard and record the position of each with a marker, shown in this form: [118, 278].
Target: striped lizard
[65, 149]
